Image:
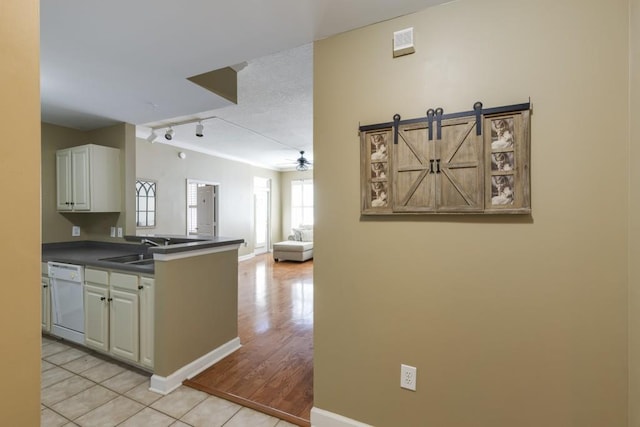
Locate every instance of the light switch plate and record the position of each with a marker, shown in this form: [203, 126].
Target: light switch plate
[113, 232]
[119, 231]
[75, 231]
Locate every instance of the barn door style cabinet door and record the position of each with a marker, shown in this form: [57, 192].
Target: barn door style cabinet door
[473, 162]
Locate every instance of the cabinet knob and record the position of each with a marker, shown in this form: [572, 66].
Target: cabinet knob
[110, 299]
[45, 286]
[102, 298]
[140, 287]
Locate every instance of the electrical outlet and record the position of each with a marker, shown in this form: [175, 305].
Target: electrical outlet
[119, 231]
[408, 375]
[75, 231]
[113, 232]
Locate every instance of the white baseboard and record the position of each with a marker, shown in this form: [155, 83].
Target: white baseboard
[246, 257]
[322, 418]
[165, 385]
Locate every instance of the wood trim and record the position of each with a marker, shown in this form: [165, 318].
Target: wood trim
[249, 404]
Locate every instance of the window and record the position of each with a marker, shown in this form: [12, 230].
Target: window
[192, 207]
[301, 202]
[145, 203]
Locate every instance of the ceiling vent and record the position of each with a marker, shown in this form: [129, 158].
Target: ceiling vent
[403, 42]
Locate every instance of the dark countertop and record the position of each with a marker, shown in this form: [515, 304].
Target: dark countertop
[183, 243]
[92, 253]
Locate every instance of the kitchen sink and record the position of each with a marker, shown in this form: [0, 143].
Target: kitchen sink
[137, 259]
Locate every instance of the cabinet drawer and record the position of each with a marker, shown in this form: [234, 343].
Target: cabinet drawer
[124, 281]
[96, 276]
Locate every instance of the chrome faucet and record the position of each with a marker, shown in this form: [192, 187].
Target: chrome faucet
[149, 242]
[154, 243]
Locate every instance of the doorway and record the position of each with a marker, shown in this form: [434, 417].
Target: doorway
[202, 208]
[261, 214]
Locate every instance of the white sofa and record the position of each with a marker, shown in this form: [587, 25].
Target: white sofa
[298, 247]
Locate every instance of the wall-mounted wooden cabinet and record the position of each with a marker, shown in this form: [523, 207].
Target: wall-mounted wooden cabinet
[475, 162]
[88, 179]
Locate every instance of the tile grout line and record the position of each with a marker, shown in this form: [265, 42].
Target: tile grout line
[79, 374]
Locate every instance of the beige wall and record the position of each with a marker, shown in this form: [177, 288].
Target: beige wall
[634, 218]
[511, 321]
[20, 183]
[56, 227]
[161, 163]
[285, 190]
[196, 306]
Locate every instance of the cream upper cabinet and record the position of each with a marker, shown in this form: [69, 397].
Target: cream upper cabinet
[88, 179]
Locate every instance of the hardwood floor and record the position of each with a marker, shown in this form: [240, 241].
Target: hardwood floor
[273, 370]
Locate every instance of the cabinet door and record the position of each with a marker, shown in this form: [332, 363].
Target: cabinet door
[81, 180]
[146, 321]
[414, 177]
[123, 324]
[63, 180]
[46, 304]
[96, 316]
[459, 167]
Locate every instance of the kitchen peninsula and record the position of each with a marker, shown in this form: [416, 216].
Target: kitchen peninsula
[193, 310]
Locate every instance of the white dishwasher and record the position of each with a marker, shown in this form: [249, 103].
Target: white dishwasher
[67, 302]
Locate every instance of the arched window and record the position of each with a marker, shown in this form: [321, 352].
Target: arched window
[145, 203]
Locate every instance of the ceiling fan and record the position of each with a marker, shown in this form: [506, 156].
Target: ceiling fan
[302, 164]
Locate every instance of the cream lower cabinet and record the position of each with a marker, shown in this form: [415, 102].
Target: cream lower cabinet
[115, 313]
[45, 298]
[146, 321]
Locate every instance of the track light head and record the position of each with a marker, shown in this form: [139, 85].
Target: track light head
[169, 134]
[199, 130]
[151, 138]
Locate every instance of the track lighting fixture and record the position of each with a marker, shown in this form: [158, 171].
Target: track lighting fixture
[169, 134]
[151, 138]
[199, 129]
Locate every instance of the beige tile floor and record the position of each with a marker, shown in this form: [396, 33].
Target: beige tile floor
[79, 388]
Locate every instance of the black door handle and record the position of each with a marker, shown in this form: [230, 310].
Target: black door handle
[437, 165]
[431, 166]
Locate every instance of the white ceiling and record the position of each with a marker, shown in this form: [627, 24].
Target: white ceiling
[128, 61]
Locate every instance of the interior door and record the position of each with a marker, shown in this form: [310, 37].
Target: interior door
[206, 210]
[261, 200]
[261, 203]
